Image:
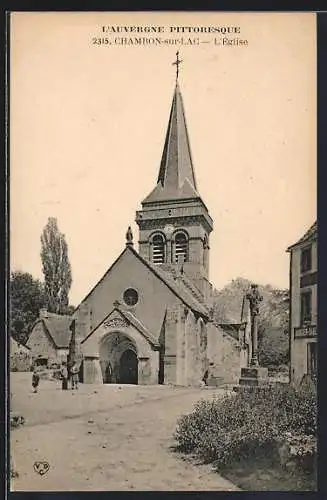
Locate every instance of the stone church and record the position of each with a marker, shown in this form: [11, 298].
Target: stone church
[149, 319]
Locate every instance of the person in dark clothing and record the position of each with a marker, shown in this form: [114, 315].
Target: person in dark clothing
[205, 377]
[35, 379]
[64, 377]
[75, 377]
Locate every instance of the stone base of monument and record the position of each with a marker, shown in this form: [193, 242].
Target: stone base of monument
[215, 381]
[254, 376]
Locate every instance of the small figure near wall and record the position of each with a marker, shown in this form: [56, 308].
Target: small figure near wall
[75, 378]
[35, 379]
[64, 376]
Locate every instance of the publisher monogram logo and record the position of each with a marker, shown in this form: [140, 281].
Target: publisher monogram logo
[41, 467]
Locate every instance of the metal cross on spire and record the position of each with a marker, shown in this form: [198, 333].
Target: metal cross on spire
[177, 63]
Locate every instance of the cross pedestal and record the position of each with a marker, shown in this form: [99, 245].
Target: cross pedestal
[254, 376]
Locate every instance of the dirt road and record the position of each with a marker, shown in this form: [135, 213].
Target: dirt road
[108, 438]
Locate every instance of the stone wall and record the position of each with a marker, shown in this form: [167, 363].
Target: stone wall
[190, 348]
[172, 339]
[40, 343]
[298, 355]
[20, 362]
[128, 272]
[224, 353]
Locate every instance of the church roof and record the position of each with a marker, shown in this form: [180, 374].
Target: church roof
[16, 347]
[180, 286]
[176, 177]
[57, 326]
[310, 235]
[131, 318]
[230, 331]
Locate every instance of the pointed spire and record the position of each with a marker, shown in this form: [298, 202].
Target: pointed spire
[176, 177]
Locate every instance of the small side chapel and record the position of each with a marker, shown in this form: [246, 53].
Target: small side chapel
[149, 319]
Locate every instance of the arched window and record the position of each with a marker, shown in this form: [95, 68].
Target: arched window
[158, 249]
[180, 247]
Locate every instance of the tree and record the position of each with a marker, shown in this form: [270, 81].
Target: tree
[26, 296]
[56, 267]
[272, 322]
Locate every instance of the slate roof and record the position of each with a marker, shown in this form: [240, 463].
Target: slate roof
[176, 177]
[233, 329]
[310, 235]
[57, 327]
[228, 330]
[179, 284]
[16, 347]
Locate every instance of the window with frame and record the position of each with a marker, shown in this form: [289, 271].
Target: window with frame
[180, 247]
[131, 297]
[306, 259]
[158, 249]
[306, 307]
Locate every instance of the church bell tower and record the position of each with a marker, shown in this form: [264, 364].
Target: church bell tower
[174, 223]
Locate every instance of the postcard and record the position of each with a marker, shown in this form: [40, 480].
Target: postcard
[163, 251]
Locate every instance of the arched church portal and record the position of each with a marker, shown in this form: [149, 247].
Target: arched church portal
[118, 359]
[128, 367]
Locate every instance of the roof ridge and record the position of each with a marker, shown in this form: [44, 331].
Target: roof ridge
[139, 324]
[132, 318]
[310, 234]
[226, 332]
[192, 288]
[163, 276]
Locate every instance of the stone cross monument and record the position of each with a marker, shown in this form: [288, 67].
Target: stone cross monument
[254, 299]
[254, 375]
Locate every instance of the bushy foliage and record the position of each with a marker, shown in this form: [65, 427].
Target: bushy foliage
[248, 423]
[16, 420]
[56, 267]
[273, 318]
[26, 298]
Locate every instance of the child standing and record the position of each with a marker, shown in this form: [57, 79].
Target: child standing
[75, 379]
[35, 379]
[64, 377]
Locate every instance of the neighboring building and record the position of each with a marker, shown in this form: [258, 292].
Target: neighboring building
[149, 319]
[49, 338]
[303, 305]
[20, 357]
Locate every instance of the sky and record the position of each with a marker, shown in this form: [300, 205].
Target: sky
[88, 122]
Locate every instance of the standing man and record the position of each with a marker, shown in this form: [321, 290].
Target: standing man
[75, 378]
[64, 376]
[35, 379]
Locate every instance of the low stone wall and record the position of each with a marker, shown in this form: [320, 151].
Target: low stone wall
[224, 354]
[20, 362]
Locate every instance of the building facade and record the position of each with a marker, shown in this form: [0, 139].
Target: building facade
[48, 341]
[303, 305]
[20, 357]
[149, 319]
